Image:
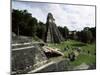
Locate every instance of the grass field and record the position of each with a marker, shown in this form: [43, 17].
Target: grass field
[87, 54]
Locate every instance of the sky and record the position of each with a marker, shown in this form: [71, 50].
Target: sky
[75, 17]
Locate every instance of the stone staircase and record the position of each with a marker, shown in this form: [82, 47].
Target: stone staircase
[26, 57]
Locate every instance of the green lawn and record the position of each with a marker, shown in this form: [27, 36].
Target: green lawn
[84, 59]
[87, 54]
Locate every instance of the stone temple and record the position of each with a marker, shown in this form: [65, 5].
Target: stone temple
[53, 35]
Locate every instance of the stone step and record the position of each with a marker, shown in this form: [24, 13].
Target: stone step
[21, 45]
[23, 48]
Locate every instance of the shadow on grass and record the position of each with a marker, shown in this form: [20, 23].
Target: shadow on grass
[79, 45]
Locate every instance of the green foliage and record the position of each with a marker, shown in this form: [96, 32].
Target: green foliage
[64, 31]
[24, 24]
[20, 22]
[93, 30]
[87, 35]
[41, 29]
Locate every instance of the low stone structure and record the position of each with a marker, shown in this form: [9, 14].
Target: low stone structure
[26, 57]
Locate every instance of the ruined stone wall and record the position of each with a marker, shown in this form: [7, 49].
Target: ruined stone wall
[27, 59]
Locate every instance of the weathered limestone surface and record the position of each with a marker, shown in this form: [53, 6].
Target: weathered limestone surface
[26, 58]
[56, 65]
[52, 33]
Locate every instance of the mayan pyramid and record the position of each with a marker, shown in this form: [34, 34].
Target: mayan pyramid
[53, 35]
